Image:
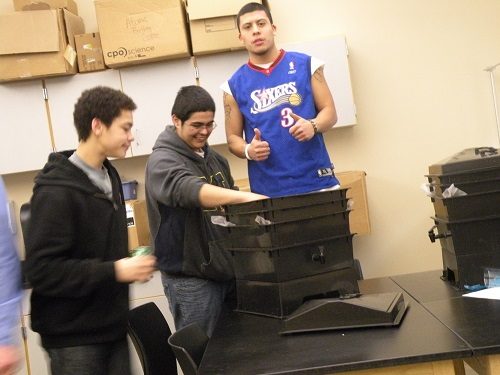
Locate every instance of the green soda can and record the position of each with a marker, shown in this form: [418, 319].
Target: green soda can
[141, 250]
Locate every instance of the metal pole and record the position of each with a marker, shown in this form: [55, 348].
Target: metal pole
[492, 78]
[493, 91]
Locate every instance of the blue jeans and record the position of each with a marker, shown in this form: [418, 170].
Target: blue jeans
[195, 300]
[98, 359]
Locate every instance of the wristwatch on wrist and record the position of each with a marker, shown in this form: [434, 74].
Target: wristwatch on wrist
[315, 127]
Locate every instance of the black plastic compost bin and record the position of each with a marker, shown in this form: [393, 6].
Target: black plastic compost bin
[287, 263]
[288, 233]
[468, 226]
[282, 298]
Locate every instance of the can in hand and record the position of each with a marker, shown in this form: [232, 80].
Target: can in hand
[141, 250]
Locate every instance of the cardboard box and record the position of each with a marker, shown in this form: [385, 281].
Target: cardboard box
[138, 31]
[89, 52]
[213, 25]
[137, 223]
[46, 4]
[359, 218]
[38, 44]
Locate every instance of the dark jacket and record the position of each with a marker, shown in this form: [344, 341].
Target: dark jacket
[74, 236]
[181, 230]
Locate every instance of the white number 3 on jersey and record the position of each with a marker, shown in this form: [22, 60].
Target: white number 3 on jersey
[286, 119]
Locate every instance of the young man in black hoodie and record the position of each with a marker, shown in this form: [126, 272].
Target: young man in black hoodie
[76, 246]
[185, 179]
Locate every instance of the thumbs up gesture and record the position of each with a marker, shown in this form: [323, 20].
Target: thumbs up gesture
[258, 149]
[302, 130]
[258, 134]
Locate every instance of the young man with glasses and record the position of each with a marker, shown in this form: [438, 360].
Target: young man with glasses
[185, 180]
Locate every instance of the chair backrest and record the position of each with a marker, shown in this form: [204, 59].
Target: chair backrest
[189, 345]
[149, 332]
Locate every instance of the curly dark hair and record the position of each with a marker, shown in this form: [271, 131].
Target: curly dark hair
[191, 99]
[99, 102]
[253, 7]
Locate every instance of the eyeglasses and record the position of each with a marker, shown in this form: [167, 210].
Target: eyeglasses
[198, 126]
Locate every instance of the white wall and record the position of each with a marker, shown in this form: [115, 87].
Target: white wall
[421, 95]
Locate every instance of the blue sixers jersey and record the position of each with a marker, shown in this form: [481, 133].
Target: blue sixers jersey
[266, 97]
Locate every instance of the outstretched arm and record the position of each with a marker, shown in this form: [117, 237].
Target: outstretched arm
[213, 196]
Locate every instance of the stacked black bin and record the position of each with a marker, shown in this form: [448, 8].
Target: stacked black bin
[468, 226]
[291, 249]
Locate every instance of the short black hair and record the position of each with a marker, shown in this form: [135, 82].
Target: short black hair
[253, 7]
[191, 99]
[99, 102]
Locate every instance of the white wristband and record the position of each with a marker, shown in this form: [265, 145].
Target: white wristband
[247, 146]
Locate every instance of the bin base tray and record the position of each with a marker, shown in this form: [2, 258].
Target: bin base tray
[368, 310]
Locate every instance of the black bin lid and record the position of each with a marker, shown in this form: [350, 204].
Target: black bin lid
[469, 160]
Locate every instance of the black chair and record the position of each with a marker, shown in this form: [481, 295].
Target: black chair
[149, 332]
[189, 345]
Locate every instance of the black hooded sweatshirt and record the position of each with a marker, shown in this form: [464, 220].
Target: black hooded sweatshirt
[74, 236]
[184, 239]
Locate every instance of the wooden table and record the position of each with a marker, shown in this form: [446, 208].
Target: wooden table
[250, 344]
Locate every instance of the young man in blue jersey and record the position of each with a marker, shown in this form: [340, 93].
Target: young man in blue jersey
[276, 107]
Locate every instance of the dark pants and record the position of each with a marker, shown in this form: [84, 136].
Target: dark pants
[192, 299]
[100, 359]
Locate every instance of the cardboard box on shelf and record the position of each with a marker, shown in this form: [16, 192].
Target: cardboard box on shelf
[139, 31]
[38, 43]
[137, 223]
[46, 4]
[89, 52]
[213, 25]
